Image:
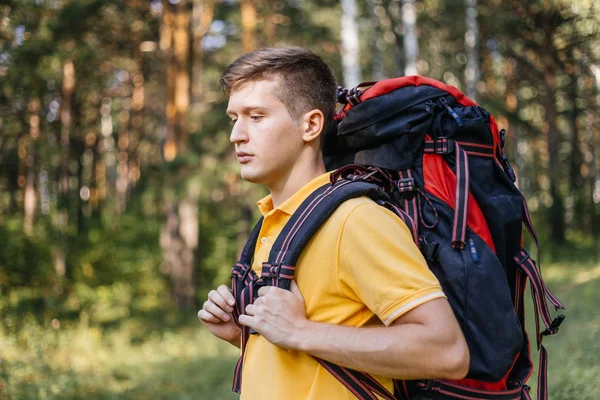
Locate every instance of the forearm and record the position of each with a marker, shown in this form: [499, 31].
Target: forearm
[412, 352]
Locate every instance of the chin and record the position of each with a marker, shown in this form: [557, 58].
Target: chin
[248, 176]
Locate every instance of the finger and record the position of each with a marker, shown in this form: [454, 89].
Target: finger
[217, 299]
[296, 290]
[249, 321]
[205, 317]
[265, 289]
[216, 311]
[225, 292]
[250, 309]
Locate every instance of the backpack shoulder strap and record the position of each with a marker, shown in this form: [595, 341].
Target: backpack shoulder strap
[280, 268]
[248, 252]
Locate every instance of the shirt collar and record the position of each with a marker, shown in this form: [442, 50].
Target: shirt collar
[265, 205]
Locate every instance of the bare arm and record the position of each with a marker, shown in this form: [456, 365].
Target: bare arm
[424, 343]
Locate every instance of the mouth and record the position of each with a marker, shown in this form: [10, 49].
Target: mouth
[243, 158]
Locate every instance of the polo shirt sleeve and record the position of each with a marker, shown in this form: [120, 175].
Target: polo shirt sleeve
[379, 264]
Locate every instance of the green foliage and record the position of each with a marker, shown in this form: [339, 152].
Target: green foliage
[61, 360]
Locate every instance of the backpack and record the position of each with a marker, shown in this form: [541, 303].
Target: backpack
[433, 157]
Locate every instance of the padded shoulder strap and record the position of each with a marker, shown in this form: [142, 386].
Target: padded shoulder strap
[248, 252]
[304, 223]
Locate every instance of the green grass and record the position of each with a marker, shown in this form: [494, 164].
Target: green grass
[83, 362]
[574, 353]
[137, 359]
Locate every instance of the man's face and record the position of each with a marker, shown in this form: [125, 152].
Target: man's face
[267, 139]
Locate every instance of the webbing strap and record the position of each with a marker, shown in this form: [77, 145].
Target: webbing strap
[540, 293]
[362, 385]
[445, 146]
[542, 389]
[441, 146]
[410, 206]
[459, 228]
[454, 391]
[411, 223]
[529, 226]
[243, 281]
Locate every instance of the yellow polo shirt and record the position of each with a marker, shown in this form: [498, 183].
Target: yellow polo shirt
[361, 268]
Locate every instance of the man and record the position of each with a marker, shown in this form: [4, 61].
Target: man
[363, 296]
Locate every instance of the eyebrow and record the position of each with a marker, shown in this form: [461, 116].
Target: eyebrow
[246, 110]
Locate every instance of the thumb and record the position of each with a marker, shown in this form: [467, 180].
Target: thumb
[295, 290]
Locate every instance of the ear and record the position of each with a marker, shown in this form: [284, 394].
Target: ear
[313, 122]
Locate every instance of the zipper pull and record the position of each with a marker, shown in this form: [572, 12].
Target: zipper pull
[474, 255]
[451, 111]
[429, 106]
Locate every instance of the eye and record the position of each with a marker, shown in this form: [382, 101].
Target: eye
[256, 118]
[232, 122]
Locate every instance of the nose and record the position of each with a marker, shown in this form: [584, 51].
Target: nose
[238, 133]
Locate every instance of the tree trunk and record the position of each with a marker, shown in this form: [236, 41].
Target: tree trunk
[350, 44]
[270, 26]
[202, 18]
[248, 10]
[395, 13]
[411, 45]
[376, 42]
[179, 239]
[576, 201]
[472, 46]
[122, 183]
[179, 235]
[30, 192]
[66, 120]
[557, 209]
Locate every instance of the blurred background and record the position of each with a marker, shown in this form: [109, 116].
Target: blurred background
[121, 204]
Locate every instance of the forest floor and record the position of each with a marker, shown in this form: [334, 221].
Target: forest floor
[181, 360]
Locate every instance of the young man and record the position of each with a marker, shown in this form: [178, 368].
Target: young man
[363, 295]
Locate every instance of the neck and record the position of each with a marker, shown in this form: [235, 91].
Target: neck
[295, 180]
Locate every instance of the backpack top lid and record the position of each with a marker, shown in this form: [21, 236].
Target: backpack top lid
[385, 124]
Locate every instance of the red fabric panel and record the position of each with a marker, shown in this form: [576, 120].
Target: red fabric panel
[496, 136]
[440, 181]
[388, 85]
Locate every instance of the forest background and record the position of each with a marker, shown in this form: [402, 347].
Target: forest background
[121, 204]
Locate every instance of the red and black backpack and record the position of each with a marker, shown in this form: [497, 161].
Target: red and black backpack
[434, 157]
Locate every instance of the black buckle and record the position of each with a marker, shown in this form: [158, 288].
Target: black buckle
[405, 185]
[554, 325]
[443, 145]
[509, 171]
[502, 137]
[246, 272]
[430, 384]
[274, 271]
[429, 250]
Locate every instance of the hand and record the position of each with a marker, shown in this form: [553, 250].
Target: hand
[216, 315]
[278, 315]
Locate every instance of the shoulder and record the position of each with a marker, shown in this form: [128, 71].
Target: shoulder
[362, 215]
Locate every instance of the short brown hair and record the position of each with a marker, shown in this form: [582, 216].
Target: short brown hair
[307, 82]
